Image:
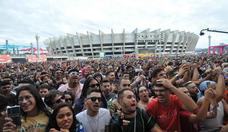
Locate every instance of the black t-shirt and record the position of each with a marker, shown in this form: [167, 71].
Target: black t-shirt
[144, 123]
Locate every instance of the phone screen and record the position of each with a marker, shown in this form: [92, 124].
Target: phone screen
[14, 112]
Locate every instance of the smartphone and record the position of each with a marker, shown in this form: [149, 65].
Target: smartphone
[14, 112]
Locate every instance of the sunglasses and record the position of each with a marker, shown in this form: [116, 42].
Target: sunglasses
[74, 74]
[126, 85]
[68, 100]
[60, 100]
[93, 99]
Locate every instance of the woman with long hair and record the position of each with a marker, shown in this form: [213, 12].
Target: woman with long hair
[62, 119]
[33, 111]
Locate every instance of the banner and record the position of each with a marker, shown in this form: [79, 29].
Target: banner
[5, 59]
[34, 58]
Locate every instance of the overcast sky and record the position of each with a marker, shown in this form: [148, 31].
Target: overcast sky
[20, 20]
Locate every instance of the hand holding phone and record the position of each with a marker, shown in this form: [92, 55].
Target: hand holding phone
[14, 113]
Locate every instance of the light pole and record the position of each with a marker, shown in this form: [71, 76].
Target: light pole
[38, 47]
[209, 30]
[209, 37]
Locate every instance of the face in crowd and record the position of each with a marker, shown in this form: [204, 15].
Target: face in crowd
[93, 101]
[143, 94]
[27, 101]
[94, 84]
[161, 74]
[58, 74]
[162, 94]
[192, 88]
[58, 99]
[64, 118]
[74, 76]
[6, 89]
[111, 76]
[126, 76]
[128, 102]
[125, 83]
[106, 88]
[43, 92]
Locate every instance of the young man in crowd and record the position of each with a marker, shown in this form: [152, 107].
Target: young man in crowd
[94, 118]
[166, 107]
[106, 90]
[6, 90]
[132, 119]
[73, 84]
[43, 90]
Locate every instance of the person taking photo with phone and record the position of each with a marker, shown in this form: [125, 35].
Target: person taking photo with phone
[34, 115]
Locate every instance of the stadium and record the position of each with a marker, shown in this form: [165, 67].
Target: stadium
[118, 44]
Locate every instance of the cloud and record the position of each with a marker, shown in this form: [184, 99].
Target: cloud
[21, 20]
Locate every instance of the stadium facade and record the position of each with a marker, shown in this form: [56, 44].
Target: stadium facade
[118, 44]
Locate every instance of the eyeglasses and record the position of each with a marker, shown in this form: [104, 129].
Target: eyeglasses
[94, 85]
[20, 99]
[93, 99]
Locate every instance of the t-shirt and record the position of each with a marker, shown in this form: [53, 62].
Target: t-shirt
[36, 123]
[142, 123]
[66, 87]
[167, 116]
[96, 123]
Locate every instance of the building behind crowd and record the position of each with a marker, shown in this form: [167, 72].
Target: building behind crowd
[118, 44]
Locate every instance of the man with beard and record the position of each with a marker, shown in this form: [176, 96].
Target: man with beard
[73, 84]
[94, 118]
[132, 119]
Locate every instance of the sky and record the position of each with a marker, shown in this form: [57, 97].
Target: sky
[21, 20]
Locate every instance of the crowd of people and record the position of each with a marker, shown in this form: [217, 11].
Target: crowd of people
[152, 94]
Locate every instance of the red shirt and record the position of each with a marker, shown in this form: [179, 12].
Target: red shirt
[166, 116]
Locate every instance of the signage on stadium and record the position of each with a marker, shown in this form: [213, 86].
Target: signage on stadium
[34, 58]
[5, 59]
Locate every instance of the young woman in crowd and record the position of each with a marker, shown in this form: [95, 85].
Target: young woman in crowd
[63, 119]
[33, 111]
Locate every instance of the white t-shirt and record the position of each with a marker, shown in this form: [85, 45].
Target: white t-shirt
[66, 87]
[96, 123]
[209, 125]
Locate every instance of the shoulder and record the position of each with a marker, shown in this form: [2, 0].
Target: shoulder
[81, 115]
[104, 112]
[152, 103]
